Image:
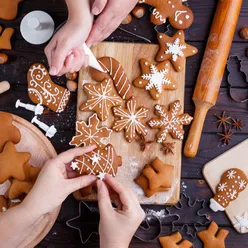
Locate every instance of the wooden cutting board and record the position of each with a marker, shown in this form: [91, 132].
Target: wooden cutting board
[41, 149]
[234, 158]
[134, 160]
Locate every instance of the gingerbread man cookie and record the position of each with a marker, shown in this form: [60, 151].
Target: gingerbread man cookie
[213, 237]
[13, 163]
[170, 121]
[113, 70]
[130, 120]
[101, 98]
[42, 90]
[155, 78]
[3, 204]
[19, 188]
[10, 133]
[174, 240]
[91, 134]
[180, 16]
[5, 37]
[175, 49]
[8, 9]
[99, 162]
[233, 182]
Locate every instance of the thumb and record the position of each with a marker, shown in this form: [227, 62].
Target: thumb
[98, 6]
[80, 182]
[104, 201]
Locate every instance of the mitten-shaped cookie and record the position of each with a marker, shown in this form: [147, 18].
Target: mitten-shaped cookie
[233, 181]
[212, 238]
[174, 241]
[42, 90]
[113, 70]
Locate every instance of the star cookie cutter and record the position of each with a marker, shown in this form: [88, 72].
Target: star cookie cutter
[235, 64]
[87, 212]
[195, 207]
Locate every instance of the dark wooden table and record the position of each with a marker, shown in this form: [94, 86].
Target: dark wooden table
[193, 184]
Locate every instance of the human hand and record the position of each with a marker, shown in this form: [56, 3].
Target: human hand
[112, 13]
[53, 184]
[117, 226]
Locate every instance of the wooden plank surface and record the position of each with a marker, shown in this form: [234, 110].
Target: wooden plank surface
[212, 171]
[133, 159]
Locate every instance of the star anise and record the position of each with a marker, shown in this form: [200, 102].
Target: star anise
[237, 124]
[226, 136]
[143, 143]
[223, 120]
[168, 147]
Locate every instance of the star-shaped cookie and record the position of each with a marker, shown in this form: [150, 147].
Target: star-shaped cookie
[159, 174]
[130, 120]
[8, 132]
[19, 188]
[90, 134]
[101, 98]
[175, 49]
[12, 163]
[170, 121]
[155, 78]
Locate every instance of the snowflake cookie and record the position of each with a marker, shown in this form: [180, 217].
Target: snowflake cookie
[101, 98]
[98, 162]
[42, 90]
[180, 16]
[155, 78]
[175, 49]
[90, 134]
[233, 181]
[170, 121]
[130, 120]
[241, 224]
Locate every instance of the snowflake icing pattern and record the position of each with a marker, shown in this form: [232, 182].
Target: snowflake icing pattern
[175, 49]
[156, 79]
[231, 174]
[242, 184]
[170, 121]
[222, 186]
[232, 195]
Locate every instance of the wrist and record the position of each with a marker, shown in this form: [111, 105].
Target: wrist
[113, 244]
[27, 213]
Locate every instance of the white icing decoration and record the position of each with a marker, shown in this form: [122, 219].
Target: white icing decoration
[222, 186]
[170, 122]
[178, 13]
[4, 209]
[242, 222]
[101, 98]
[232, 195]
[156, 79]
[95, 159]
[130, 120]
[157, 15]
[231, 174]
[242, 184]
[176, 49]
[101, 175]
[74, 166]
[215, 206]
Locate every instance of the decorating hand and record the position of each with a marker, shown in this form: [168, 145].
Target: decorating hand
[109, 19]
[117, 226]
[53, 186]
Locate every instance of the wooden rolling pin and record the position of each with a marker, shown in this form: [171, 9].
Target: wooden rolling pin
[212, 68]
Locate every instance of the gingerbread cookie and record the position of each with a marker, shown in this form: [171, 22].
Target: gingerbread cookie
[31, 173]
[180, 16]
[175, 49]
[101, 98]
[99, 162]
[12, 163]
[113, 70]
[3, 204]
[19, 188]
[91, 134]
[42, 90]
[175, 240]
[130, 120]
[159, 174]
[8, 9]
[5, 37]
[170, 121]
[10, 133]
[155, 78]
[233, 182]
[213, 237]
[16, 202]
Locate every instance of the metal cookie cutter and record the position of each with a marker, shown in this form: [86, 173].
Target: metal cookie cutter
[85, 222]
